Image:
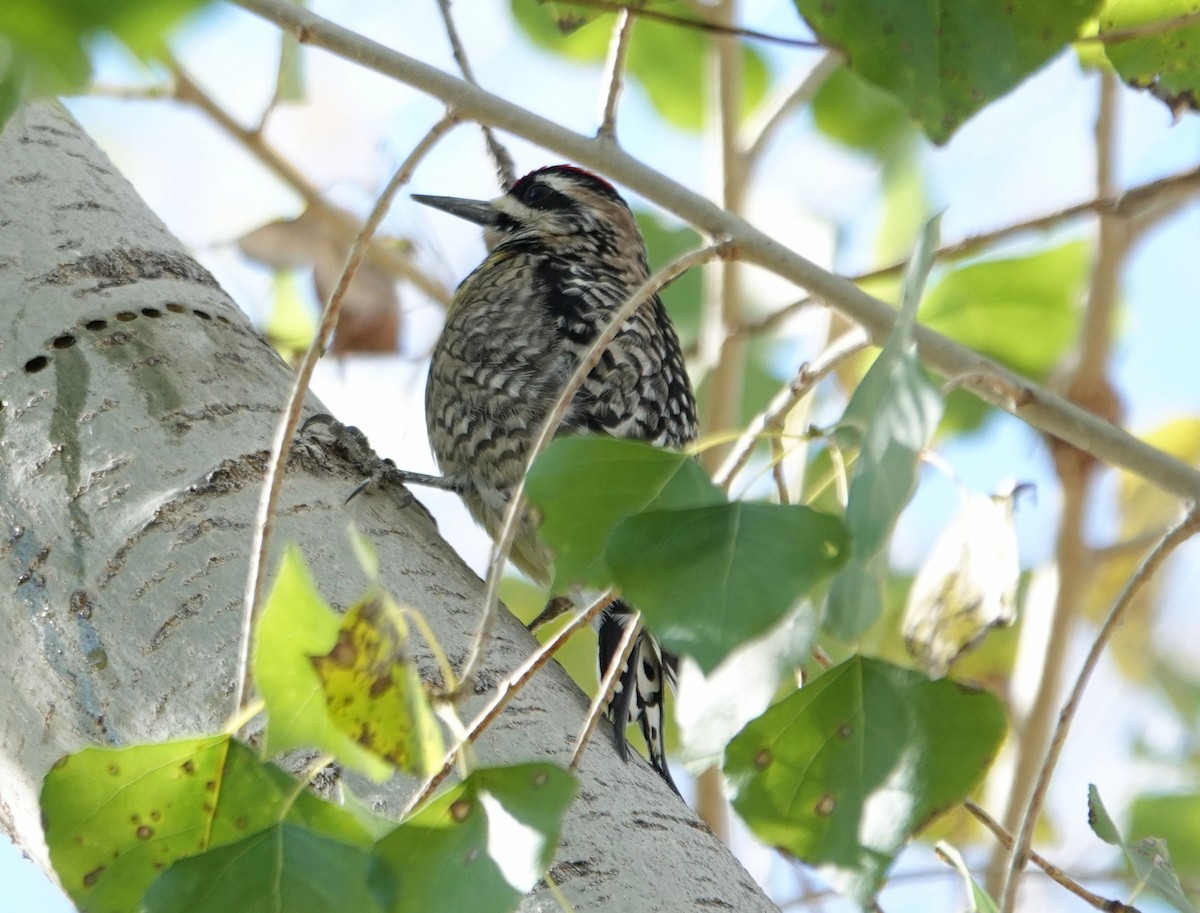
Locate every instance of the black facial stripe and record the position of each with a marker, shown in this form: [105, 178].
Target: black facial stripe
[578, 176]
[547, 200]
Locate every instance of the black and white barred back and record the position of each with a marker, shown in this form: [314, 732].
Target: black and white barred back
[564, 254]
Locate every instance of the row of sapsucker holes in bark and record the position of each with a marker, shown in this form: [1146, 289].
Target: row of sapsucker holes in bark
[66, 340]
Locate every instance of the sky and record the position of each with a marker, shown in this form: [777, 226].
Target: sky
[1028, 154]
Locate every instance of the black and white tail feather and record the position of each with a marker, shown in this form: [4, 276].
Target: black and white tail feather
[638, 694]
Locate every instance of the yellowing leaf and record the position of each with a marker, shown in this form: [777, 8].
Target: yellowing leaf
[1163, 61]
[374, 693]
[295, 625]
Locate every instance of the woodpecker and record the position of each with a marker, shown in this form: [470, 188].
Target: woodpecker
[564, 253]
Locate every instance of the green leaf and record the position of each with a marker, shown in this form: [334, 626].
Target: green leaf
[291, 84]
[49, 40]
[844, 771]
[584, 486]
[904, 407]
[1174, 818]
[1022, 311]
[981, 900]
[373, 691]
[115, 818]
[669, 61]
[295, 625]
[291, 325]
[709, 579]
[945, 61]
[892, 416]
[711, 709]
[13, 79]
[1149, 858]
[852, 111]
[480, 846]
[855, 597]
[283, 869]
[1163, 61]
[905, 208]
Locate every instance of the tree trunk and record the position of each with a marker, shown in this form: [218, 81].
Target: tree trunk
[137, 404]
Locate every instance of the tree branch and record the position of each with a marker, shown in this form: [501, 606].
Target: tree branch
[762, 130]
[505, 170]
[1052, 871]
[618, 49]
[1131, 204]
[703, 25]
[382, 255]
[1042, 409]
[1174, 537]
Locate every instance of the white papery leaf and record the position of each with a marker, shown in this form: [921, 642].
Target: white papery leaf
[967, 586]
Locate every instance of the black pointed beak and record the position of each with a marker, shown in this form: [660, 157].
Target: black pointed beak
[478, 211]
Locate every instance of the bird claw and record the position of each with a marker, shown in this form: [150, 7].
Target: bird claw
[357, 449]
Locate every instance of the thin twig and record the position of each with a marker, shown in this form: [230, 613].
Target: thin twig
[153, 92]
[273, 482]
[1125, 548]
[1017, 396]
[516, 503]
[505, 170]
[760, 132]
[608, 684]
[1145, 203]
[702, 25]
[1086, 383]
[1048, 412]
[1174, 537]
[773, 319]
[777, 473]
[505, 692]
[1144, 30]
[382, 255]
[1052, 871]
[1126, 204]
[618, 49]
[810, 374]
[289, 51]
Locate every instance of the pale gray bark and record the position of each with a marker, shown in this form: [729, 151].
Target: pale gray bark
[136, 407]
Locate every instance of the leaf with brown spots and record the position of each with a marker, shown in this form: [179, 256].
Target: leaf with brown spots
[374, 693]
[296, 624]
[115, 818]
[480, 846]
[844, 771]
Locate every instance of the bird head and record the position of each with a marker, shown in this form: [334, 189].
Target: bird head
[561, 209]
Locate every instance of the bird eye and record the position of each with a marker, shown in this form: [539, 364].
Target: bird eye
[535, 193]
